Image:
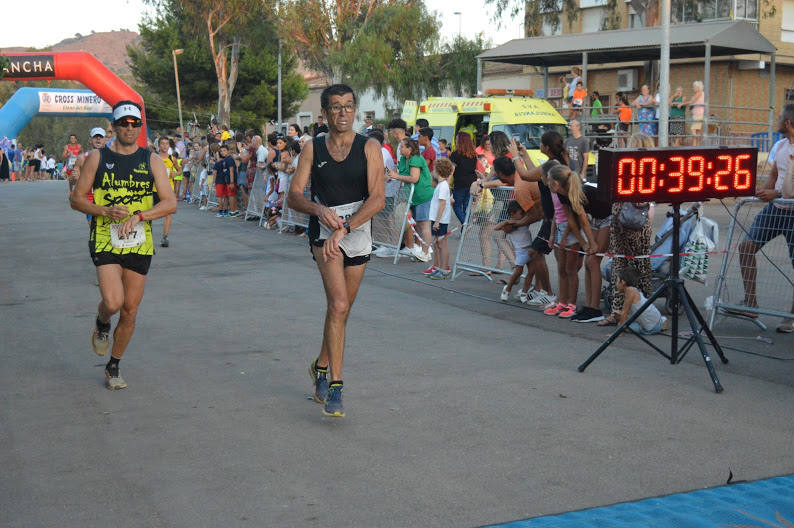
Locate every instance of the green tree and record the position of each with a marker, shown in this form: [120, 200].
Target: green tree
[536, 13]
[459, 64]
[253, 99]
[388, 45]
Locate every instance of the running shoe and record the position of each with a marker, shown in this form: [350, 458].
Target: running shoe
[407, 251]
[429, 271]
[219, 214]
[570, 311]
[588, 315]
[320, 380]
[504, 296]
[554, 309]
[786, 326]
[524, 297]
[541, 298]
[233, 214]
[420, 255]
[100, 340]
[333, 402]
[203, 208]
[164, 242]
[384, 252]
[113, 379]
[440, 274]
[520, 293]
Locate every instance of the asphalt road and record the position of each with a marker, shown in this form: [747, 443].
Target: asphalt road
[461, 411]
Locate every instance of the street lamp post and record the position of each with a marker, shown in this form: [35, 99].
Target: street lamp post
[459, 15]
[178, 96]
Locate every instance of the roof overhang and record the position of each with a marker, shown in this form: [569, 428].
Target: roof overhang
[628, 45]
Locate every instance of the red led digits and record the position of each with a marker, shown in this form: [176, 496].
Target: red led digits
[724, 172]
[677, 174]
[745, 174]
[621, 175]
[642, 175]
[696, 173]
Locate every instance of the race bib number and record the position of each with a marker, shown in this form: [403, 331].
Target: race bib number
[577, 101]
[134, 239]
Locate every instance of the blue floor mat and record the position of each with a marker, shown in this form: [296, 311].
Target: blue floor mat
[763, 504]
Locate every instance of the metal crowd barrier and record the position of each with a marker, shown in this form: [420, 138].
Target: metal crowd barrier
[212, 198]
[481, 249]
[774, 279]
[256, 197]
[291, 217]
[389, 225]
[195, 190]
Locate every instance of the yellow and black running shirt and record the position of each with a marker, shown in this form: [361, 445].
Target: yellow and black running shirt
[122, 180]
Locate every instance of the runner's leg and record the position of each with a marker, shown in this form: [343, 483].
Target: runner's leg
[134, 284]
[111, 288]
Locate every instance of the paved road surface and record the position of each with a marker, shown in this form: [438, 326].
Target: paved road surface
[461, 411]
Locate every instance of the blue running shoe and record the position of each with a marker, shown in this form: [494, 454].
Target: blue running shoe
[219, 214]
[333, 403]
[319, 378]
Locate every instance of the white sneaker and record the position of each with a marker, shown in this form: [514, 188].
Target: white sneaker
[525, 297]
[421, 255]
[384, 252]
[407, 251]
[203, 208]
[541, 298]
[520, 293]
[505, 295]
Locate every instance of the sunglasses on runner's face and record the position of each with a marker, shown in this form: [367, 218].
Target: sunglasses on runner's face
[127, 122]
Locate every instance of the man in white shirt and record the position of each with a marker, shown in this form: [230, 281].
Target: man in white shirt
[774, 219]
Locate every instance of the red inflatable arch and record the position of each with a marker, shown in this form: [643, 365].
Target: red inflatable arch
[74, 66]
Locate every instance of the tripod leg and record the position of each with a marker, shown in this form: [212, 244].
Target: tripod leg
[706, 328]
[622, 328]
[701, 345]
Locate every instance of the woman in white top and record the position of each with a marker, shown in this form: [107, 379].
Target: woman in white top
[697, 108]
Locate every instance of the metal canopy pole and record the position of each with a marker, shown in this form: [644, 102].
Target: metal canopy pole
[546, 82]
[584, 71]
[706, 91]
[772, 99]
[664, 75]
[479, 75]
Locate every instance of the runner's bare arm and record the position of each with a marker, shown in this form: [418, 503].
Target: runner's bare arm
[299, 202]
[769, 192]
[79, 201]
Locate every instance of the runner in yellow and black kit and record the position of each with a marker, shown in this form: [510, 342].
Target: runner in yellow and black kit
[120, 243]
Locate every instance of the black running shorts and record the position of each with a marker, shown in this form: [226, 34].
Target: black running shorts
[131, 261]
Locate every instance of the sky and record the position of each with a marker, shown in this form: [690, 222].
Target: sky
[58, 20]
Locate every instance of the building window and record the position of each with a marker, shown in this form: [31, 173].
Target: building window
[689, 12]
[592, 19]
[789, 97]
[787, 22]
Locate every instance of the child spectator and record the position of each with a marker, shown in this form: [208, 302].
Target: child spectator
[624, 116]
[443, 152]
[440, 213]
[225, 174]
[428, 150]
[519, 234]
[577, 101]
[650, 321]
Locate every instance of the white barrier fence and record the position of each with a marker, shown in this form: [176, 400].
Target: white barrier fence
[256, 197]
[756, 275]
[291, 217]
[482, 249]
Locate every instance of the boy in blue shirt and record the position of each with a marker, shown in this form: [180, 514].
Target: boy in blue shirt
[225, 176]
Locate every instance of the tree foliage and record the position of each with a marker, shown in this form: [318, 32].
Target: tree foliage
[536, 13]
[458, 70]
[388, 45]
[253, 99]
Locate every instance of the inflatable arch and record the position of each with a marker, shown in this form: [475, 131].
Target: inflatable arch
[27, 103]
[73, 66]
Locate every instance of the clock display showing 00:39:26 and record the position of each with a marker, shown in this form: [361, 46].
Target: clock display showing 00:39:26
[674, 175]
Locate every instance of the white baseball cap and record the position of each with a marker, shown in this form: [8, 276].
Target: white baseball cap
[97, 131]
[126, 110]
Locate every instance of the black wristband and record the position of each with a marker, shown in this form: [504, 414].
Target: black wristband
[347, 226]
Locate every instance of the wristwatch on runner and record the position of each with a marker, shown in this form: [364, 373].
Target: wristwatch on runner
[347, 226]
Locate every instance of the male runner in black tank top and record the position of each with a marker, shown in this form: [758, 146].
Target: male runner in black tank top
[346, 172]
[121, 243]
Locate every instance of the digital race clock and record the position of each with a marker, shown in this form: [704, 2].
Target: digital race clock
[676, 175]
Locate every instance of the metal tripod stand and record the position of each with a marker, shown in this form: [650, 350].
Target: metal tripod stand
[674, 284]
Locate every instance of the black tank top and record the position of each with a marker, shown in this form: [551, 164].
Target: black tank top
[335, 183]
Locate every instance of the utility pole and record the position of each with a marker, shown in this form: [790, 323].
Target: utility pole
[664, 76]
[178, 96]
